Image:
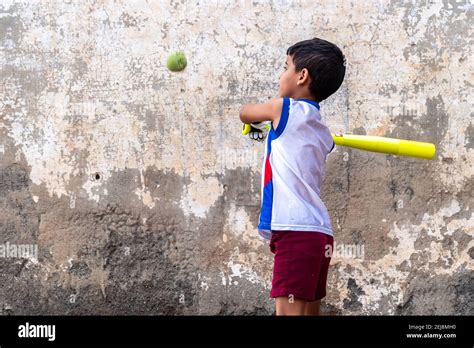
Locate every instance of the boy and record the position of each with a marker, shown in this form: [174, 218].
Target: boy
[292, 215]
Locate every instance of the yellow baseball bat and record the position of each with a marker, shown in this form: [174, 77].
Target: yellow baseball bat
[373, 143]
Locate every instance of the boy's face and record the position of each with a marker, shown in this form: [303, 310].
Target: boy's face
[288, 79]
[293, 83]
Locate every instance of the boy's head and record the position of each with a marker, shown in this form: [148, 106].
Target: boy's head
[314, 68]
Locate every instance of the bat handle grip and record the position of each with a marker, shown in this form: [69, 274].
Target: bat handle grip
[246, 129]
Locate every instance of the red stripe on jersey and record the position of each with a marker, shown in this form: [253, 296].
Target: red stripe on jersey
[268, 171]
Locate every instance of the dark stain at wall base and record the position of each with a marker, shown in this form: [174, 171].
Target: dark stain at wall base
[117, 257]
[439, 294]
[352, 303]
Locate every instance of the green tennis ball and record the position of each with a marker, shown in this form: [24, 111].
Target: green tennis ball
[176, 61]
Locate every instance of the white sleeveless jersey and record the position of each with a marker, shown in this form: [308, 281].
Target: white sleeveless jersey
[293, 169]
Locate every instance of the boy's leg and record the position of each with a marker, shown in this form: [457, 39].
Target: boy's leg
[312, 308]
[300, 263]
[287, 306]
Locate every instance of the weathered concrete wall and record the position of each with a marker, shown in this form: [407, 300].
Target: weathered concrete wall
[143, 197]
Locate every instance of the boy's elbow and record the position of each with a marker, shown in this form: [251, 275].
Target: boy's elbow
[241, 114]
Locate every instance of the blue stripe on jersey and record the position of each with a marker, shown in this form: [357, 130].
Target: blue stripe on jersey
[266, 211]
[267, 199]
[283, 117]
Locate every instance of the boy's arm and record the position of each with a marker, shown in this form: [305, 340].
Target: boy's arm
[269, 111]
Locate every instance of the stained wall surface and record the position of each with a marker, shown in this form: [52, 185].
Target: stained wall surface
[142, 196]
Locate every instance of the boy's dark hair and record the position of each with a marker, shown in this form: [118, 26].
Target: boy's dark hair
[325, 62]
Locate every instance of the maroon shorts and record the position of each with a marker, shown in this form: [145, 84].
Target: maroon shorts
[300, 264]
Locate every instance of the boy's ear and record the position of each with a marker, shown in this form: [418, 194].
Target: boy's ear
[303, 77]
